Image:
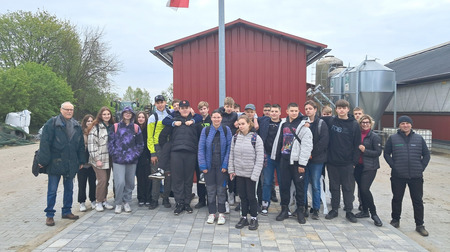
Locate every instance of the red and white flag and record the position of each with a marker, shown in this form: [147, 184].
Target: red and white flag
[175, 4]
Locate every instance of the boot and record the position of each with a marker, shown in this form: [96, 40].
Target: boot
[306, 213]
[284, 214]
[363, 214]
[301, 215]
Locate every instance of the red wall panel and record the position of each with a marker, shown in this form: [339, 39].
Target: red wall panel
[260, 68]
[437, 123]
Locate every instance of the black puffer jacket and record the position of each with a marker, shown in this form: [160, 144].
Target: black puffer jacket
[373, 150]
[408, 156]
[185, 138]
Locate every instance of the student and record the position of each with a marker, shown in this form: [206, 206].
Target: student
[327, 111]
[266, 109]
[245, 165]
[213, 155]
[357, 113]
[318, 158]
[343, 155]
[183, 157]
[292, 145]
[203, 108]
[366, 169]
[154, 128]
[125, 145]
[99, 155]
[237, 108]
[267, 131]
[86, 174]
[143, 170]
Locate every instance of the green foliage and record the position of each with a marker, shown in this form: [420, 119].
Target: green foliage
[47, 92]
[168, 94]
[140, 95]
[15, 91]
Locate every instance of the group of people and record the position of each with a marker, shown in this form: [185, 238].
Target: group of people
[232, 154]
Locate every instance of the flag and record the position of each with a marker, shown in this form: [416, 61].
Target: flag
[175, 4]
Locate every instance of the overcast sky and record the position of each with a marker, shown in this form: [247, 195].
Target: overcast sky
[382, 29]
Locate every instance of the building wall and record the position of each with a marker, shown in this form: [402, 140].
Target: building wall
[260, 68]
[438, 123]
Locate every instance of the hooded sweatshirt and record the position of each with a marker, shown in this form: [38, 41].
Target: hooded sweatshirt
[125, 145]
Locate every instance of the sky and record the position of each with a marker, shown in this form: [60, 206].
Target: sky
[353, 29]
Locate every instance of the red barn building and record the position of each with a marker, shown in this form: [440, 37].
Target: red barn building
[263, 65]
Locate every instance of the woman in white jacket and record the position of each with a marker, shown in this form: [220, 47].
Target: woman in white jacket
[245, 165]
[99, 155]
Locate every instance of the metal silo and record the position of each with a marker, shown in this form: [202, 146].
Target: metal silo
[338, 82]
[323, 67]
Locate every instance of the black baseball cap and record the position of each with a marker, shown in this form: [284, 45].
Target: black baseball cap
[184, 103]
[159, 98]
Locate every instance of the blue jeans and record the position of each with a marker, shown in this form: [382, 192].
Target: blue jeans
[312, 175]
[53, 181]
[268, 173]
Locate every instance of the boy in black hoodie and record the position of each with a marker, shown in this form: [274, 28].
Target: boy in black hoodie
[343, 154]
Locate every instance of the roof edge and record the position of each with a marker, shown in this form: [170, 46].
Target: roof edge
[420, 52]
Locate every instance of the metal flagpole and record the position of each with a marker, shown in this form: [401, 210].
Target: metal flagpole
[222, 88]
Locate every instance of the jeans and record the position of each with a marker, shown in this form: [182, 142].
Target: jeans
[312, 175]
[268, 175]
[53, 181]
[84, 176]
[364, 179]
[398, 186]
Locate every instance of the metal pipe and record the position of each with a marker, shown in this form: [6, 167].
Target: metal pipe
[222, 86]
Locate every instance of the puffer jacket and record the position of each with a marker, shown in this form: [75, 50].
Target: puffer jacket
[371, 154]
[98, 146]
[61, 155]
[245, 160]
[125, 146]
[205, 147]
[408, 156]
[300, 153]
[185, 138]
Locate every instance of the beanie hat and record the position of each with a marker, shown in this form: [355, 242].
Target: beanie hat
[405, 118]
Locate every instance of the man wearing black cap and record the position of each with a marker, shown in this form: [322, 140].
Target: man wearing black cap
[183, 156]
[407, 154]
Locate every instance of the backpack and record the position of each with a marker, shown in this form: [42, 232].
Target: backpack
[209, 128]
[136, 127]
[156, 119]
[254, 136]
[35, 169]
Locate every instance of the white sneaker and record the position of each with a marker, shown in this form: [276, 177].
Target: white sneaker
[107, 205]
[118, 209]
[211, 218]
[127, 207]
[99, 207]
[231, 198]
[221, 219]
[93, 205]
[159, 174]
[227, 207]
[83, 207]
[202, 179]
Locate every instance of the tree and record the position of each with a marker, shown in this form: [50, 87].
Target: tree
[168, 94]
[142, 96]
[15, 94]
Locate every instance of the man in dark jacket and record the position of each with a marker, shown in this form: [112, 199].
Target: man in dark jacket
[407, 154]
[183, 156]
[61, 151]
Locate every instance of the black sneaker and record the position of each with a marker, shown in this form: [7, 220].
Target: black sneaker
[331, 215]
[159, 174]
[200, 204]
[362, 214]
[179, 209]
[395, 223]
[301, 215]
[273, 197]
[238, 207]
[242, 223]
[153, 205]
[188, 208]
[351, 217]
[376, 220]
[420, 229]
[315, 214]
[202, 179]
[253, 224]
[166, 203]
[306, 212]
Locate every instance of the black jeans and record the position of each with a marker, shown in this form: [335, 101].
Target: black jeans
[85, 175]
[364, 180]
[341, 175]
[182, 166]
[201, 188]
[144, 184]
[247, 193]
[290, 173]
[398, 186]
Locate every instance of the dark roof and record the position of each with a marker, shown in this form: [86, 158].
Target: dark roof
[314, 50]
[427, 65]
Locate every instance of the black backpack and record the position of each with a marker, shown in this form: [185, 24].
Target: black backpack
[35, 169]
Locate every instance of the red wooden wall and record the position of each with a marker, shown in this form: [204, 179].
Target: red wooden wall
[260, 68]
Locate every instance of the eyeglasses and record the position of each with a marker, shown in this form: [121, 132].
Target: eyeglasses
[67, 109]
[266, 110]
[365, 122]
